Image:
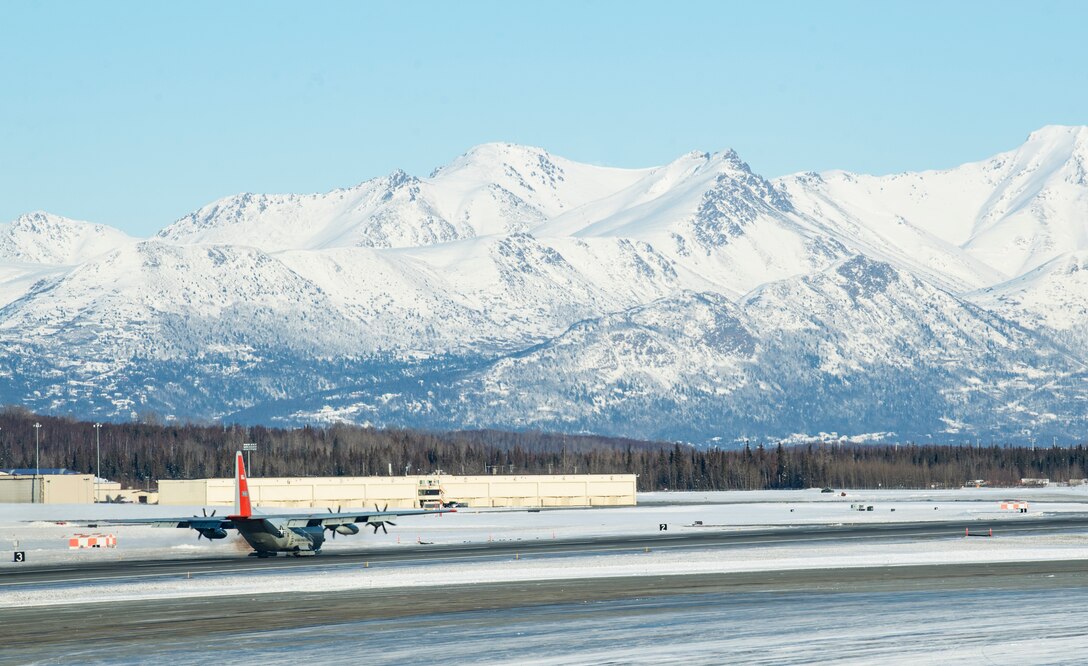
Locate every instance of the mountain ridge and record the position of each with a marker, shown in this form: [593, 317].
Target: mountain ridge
[515, 288]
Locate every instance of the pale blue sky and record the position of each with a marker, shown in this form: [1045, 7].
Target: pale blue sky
[135, 113]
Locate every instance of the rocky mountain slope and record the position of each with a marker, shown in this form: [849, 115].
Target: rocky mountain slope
[517, 289]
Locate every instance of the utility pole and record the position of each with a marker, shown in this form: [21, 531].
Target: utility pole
[37, 466]
[98, 454]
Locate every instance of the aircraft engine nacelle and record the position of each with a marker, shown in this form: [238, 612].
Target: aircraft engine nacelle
[213, 533]
[347, 528]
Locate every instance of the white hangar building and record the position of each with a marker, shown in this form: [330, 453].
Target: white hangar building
[405, 492]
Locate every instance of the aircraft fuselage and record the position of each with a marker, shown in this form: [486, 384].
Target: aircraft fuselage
[267, 538]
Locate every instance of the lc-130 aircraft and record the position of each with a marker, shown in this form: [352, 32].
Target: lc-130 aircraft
[298, 534]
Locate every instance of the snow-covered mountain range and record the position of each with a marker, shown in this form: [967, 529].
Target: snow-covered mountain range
[516, 289]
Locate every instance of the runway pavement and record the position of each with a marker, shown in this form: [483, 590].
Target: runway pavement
[28, 575]
[191, 629]
[198, 627]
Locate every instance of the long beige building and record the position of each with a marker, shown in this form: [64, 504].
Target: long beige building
[46, 489]
[405, 492]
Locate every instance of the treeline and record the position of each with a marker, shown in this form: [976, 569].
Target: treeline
[860, 466]
[140, 453]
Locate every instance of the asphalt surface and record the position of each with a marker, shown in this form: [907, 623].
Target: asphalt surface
[22, 576]
[190, 629]
[201, 626]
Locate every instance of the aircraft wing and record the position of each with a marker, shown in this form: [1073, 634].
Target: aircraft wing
[341, 518]
[285, 519]
[194, 522]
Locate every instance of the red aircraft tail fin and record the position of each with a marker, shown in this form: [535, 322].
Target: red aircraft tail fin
[242, 508]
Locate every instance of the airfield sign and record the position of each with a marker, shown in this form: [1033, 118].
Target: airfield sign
[248, 447]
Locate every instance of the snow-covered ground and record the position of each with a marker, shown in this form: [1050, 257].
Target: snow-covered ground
[31, 527]
[47, 542]
[917, 628]
[655, 562]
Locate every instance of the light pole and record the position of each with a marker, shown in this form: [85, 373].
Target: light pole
[98, 455]
[37, 467]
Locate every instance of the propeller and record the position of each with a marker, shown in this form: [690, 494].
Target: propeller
[381, 523]
[332, 528]
[199, 534]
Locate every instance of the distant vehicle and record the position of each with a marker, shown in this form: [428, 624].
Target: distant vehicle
[827, 490]
[456, 505]
[298, 534]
